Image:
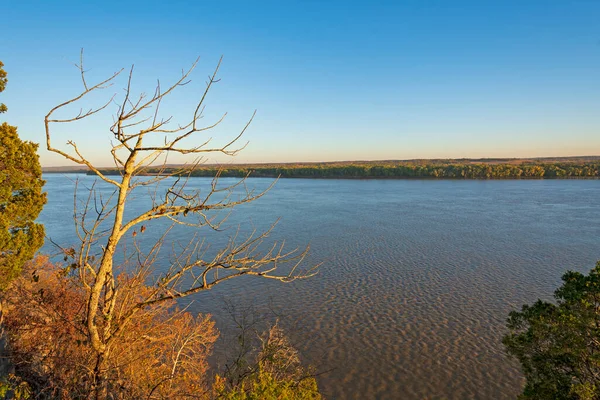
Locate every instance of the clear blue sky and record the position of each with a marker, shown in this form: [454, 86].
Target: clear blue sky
[330, 80]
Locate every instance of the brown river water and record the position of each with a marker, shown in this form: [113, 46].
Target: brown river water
[417, 276]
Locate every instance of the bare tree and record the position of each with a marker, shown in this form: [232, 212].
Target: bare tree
[102, 221]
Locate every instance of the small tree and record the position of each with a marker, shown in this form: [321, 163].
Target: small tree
[136, 124]
[558, 345]
[276, 374]
[21, 199]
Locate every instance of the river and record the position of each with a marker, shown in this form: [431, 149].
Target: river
[417, 276]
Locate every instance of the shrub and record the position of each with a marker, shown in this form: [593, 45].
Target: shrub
[162, 353]
[558, 345]
[277, 374]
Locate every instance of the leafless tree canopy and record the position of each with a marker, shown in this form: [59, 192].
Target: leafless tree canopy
[137, 126]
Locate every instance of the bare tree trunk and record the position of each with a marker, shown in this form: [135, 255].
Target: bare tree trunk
[100, 380]
[190, 272]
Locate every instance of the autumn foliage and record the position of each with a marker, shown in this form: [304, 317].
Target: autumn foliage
[162, 353]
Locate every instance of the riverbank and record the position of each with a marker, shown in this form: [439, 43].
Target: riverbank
[548, 168]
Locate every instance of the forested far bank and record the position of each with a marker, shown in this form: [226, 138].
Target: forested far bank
[559, 170]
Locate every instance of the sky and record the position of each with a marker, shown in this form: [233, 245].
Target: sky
[330, 80]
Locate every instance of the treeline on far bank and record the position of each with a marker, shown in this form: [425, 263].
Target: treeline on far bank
[397, 171]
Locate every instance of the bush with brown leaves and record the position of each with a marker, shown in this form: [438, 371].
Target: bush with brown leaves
[161, 355]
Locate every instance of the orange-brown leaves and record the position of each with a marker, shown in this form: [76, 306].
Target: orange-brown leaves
[161, 354]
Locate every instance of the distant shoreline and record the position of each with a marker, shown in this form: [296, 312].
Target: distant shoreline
[482, 169]
[367, 178]
[433, 161]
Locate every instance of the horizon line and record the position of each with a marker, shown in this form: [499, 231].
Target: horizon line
[354, 161]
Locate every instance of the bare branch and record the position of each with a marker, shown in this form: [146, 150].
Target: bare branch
[114, 299]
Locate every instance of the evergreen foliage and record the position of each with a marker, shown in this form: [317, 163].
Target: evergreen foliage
[21, 199]
[558, 345]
